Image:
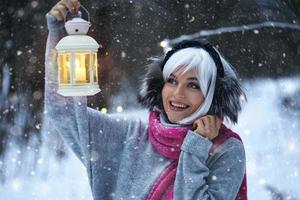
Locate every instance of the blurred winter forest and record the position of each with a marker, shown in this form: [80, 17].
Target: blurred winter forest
[130, 32]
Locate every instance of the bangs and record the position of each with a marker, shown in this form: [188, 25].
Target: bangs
[189, 59]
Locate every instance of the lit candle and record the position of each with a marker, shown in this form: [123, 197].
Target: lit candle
[80, 72]
[66, 72]
[64, 69]
[95, 67]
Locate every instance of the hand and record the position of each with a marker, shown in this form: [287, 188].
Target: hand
[59, 11]
[207, 126]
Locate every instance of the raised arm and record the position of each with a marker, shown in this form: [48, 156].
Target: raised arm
[85, 130]
[66, 115]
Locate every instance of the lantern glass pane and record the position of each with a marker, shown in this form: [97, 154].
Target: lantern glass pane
[64, 68]
[95, 67]
[82, 67]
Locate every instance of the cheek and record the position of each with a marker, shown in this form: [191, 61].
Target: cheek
[164, 92]
[164, 95]
[197, 100]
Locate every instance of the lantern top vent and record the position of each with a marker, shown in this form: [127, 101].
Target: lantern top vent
[77, 26]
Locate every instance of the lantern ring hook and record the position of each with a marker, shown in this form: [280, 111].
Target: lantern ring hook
[81, 6]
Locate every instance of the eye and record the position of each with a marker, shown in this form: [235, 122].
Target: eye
[194, 86]
[171, 80]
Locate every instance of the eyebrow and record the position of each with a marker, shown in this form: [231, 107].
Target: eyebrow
[190, 78]
[193, 79]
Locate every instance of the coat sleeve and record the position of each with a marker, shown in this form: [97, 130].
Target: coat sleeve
[216, 179]
[65, 115]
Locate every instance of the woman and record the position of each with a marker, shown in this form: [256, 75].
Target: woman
[182, 152]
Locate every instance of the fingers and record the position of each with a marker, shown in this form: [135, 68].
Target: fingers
[77, 6]
[209, 122]
[73, 6]
[208, 126]
[198, 124]
[218, 122]
[59, 11]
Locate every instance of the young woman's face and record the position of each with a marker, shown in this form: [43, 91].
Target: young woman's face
[181, 95]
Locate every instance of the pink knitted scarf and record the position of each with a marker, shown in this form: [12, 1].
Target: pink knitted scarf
[168, 140]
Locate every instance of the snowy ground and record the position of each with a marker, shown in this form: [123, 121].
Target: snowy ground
[269, 130]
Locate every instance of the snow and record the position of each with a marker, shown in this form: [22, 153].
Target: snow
[51, 179]
[270, 134]
[269, 129]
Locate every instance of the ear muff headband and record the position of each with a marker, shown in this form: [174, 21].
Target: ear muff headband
[195, 44]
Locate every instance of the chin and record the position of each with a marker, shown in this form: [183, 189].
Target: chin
[173, 119]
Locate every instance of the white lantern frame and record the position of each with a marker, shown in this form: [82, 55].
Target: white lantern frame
[77, 43]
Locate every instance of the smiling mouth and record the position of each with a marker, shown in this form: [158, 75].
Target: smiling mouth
[177, 106]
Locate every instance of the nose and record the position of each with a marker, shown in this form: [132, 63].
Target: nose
[179, 92]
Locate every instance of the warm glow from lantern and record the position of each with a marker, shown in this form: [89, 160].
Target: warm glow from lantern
[80, 71]
[64, 60]
[81, 67]
[95, 67]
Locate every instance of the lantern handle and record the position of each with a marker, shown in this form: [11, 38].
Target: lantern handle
[81, 6]
[87, 12]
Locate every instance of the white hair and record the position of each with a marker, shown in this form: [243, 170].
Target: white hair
[201, 62]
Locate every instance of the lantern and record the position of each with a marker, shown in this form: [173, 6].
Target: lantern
[77, 60]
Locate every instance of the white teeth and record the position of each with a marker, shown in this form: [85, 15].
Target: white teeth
[178, 105]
